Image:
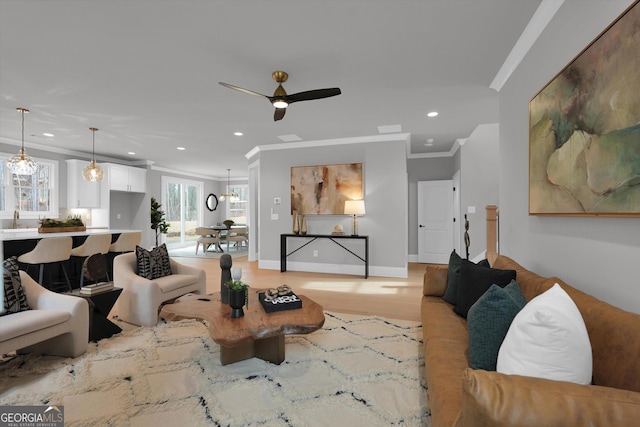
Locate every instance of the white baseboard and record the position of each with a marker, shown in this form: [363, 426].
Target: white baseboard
[356, 270]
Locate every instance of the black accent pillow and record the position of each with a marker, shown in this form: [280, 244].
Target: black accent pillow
[153, 264]
[475, 280]
[453, 277]
[15, 300]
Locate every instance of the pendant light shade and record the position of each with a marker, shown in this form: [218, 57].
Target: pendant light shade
[93, 172]
[21, 163]
[232, 196]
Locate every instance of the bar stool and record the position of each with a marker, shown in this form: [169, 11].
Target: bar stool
[94, 244]
[126, 242]
[49, 250]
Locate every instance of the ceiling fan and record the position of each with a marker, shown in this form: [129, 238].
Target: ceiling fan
[281, 100]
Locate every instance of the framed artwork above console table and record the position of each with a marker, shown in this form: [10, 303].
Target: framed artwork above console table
[323, 189]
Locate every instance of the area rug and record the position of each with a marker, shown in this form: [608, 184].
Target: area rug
[355, 371]
[190, 252]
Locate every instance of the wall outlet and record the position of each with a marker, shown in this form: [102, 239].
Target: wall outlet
[276, 200]
[315, 253]
[274, 217]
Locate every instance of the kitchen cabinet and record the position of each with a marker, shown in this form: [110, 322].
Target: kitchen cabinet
[127, 178]
[81, 193]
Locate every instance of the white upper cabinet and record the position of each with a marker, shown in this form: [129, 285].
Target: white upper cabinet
[81, 193]
[126, 178]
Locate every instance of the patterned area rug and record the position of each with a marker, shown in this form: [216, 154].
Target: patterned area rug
[356, 371]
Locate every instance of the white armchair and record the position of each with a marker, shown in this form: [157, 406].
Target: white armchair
[57, 324]
[141, 298]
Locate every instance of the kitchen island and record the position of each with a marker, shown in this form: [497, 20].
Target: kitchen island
[16, 242]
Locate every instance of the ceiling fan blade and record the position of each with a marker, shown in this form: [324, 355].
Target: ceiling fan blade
[279, 114]
[313, 94]
[250, 92]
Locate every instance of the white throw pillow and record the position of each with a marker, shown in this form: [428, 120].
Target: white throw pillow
[548, 339]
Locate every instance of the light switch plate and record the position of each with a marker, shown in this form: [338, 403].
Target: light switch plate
[471, 209]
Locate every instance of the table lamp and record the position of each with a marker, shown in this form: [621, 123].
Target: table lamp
[354, 207]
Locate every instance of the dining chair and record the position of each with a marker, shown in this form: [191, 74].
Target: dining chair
[238, 235]
[207, 238]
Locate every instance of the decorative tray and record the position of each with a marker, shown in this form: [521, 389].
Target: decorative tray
[280, 303]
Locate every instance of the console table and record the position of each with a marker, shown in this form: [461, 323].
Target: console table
[284, 254]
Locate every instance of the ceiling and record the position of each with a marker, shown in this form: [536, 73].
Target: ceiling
[146, 73]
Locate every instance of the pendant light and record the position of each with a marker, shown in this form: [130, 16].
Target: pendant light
[232, 196]
[21, 163]
[93, 172]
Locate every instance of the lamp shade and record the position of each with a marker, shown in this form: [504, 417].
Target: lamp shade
[354, 207]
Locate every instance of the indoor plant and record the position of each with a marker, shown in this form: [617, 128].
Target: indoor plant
[238, 296]
[157, 219]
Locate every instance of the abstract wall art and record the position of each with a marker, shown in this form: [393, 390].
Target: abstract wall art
[322, 190]
[584, 129]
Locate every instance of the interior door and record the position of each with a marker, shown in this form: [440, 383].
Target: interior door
[435, 221]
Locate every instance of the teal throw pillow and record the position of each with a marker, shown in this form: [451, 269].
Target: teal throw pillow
[488, 321]
[453, 277]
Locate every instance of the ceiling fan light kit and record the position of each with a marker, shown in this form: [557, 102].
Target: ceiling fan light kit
[281, 100]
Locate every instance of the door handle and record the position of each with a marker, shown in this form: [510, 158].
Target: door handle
[421, 226]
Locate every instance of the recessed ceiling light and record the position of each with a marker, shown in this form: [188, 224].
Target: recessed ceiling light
[238, 133]
[131, 153]
[50, 135]
[429, 142]
[181, 148]
[432, 114]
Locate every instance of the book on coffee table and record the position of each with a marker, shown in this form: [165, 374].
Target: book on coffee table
[96, 288]
[280, 303]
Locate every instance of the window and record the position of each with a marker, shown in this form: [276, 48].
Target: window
[237, 211]
[182, 201]
[35, 196]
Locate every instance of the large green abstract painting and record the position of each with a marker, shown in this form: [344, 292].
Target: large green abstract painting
[584, 129]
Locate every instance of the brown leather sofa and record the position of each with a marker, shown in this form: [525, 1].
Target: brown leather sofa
[461, 396]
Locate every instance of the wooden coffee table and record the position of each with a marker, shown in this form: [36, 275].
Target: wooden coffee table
[256, 334]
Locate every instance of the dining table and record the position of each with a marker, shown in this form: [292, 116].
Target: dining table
[216, 231]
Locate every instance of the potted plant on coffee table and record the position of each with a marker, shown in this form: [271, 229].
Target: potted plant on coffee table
[238, 297]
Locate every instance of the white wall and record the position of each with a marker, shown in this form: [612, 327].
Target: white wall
[600, 256]
[479, 183]
[385, 186]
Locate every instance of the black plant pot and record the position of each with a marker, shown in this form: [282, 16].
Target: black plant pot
[236, 301]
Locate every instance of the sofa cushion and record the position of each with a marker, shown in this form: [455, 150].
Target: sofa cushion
[488, 321]
[15, 300]
[175, 281]
[17, 324]
[153, 264]
[497, 400]
[548, 339]
[474, 282]
[453, 277]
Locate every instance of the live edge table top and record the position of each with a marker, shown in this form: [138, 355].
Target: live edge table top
[256, 324]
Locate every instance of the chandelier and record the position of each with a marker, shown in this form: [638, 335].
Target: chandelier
[21, 163]
[93, 172]
[232, 196]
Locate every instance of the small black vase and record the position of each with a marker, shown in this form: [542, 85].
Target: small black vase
[236, 301]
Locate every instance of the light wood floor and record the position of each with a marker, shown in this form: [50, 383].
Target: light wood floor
[381, 296]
